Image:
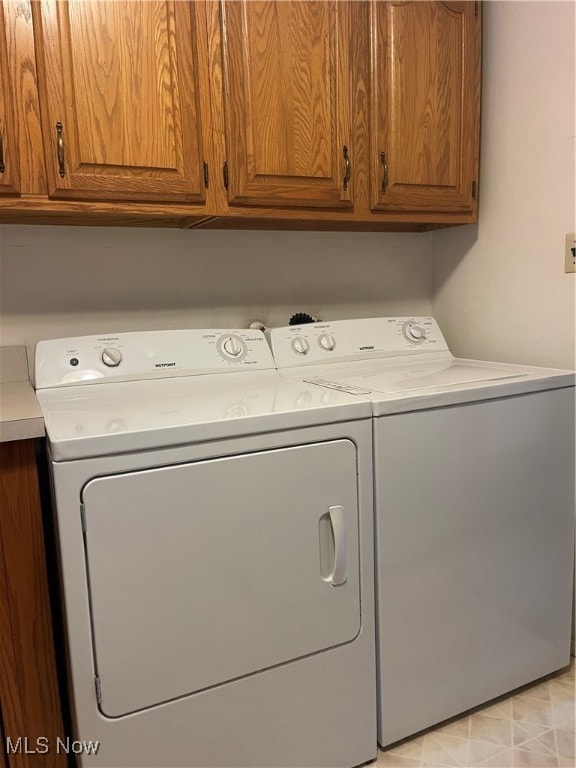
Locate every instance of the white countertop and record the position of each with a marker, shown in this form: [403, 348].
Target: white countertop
[20, 414]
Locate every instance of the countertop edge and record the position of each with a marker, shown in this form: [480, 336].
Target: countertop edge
[20, 413]
[21, 429]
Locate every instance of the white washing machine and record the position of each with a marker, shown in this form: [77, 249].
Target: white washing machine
[215, 533]
[474, 500]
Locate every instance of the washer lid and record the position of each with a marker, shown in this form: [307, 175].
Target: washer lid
[432, 383]
[121, 417]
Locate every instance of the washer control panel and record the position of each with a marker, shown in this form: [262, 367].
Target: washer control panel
[346, 340]
[147, 355]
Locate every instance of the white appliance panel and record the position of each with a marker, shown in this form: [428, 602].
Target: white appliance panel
[139, 415]
[203, 573]
[475, 528]
[148, 355]
[474, 475]
[352, 340]
[215, 534]
[316, 711]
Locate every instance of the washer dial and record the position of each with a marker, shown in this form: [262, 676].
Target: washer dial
[414, 333]
[327, 341]
[111, 357]
[300, 345]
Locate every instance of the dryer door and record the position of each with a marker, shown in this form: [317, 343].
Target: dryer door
[203, 573]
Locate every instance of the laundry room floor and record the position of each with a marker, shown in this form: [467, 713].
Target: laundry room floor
[534, 728]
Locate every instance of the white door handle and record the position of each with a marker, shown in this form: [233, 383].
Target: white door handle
[338, 522]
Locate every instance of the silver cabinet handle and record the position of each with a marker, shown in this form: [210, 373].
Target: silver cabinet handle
[338, 521]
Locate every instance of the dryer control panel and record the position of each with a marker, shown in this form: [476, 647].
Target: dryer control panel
[149, 354]
[346, 340]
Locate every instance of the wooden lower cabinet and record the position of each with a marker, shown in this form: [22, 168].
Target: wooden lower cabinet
[30, 706]
[3, 763]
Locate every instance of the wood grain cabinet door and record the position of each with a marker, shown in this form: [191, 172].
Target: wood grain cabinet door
[123, 100]
[22, 170]
[287, 97]
[9, 170]
[425, 105]
[30, 703]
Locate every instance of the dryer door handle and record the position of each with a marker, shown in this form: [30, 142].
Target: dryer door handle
[338, 522]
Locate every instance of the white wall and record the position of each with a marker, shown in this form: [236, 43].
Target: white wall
[63, 281]
[499, 289]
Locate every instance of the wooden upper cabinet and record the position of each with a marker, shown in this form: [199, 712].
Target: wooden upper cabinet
[9, 171]
[122, 96]
[21, 152]
[425, 105]
[287, 102]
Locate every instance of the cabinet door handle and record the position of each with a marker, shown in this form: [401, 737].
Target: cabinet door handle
[60, 149]
[347, 170]
[2, 166]
[385, 170]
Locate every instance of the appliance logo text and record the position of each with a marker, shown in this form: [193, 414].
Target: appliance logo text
[165, 365]
[363, 349]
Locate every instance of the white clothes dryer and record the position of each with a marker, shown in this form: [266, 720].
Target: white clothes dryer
[474, 504]
[215, 533]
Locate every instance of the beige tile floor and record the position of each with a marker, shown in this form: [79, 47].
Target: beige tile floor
[533, 728]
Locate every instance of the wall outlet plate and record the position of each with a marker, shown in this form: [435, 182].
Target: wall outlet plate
[570, 253]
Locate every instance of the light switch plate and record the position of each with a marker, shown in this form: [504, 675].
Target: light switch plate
[570, 253]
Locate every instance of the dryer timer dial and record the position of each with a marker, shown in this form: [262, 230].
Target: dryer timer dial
[232, 347]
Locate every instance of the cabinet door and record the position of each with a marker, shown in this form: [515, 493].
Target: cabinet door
[123, 99]
[9, 176]
[425, 111]
[29, 690]
[287, 96]
[22, 170]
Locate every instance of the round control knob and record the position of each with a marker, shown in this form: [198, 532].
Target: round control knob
[300, 346]
[327, 341]
[111, 357]
[416, 333]
[232, 346]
